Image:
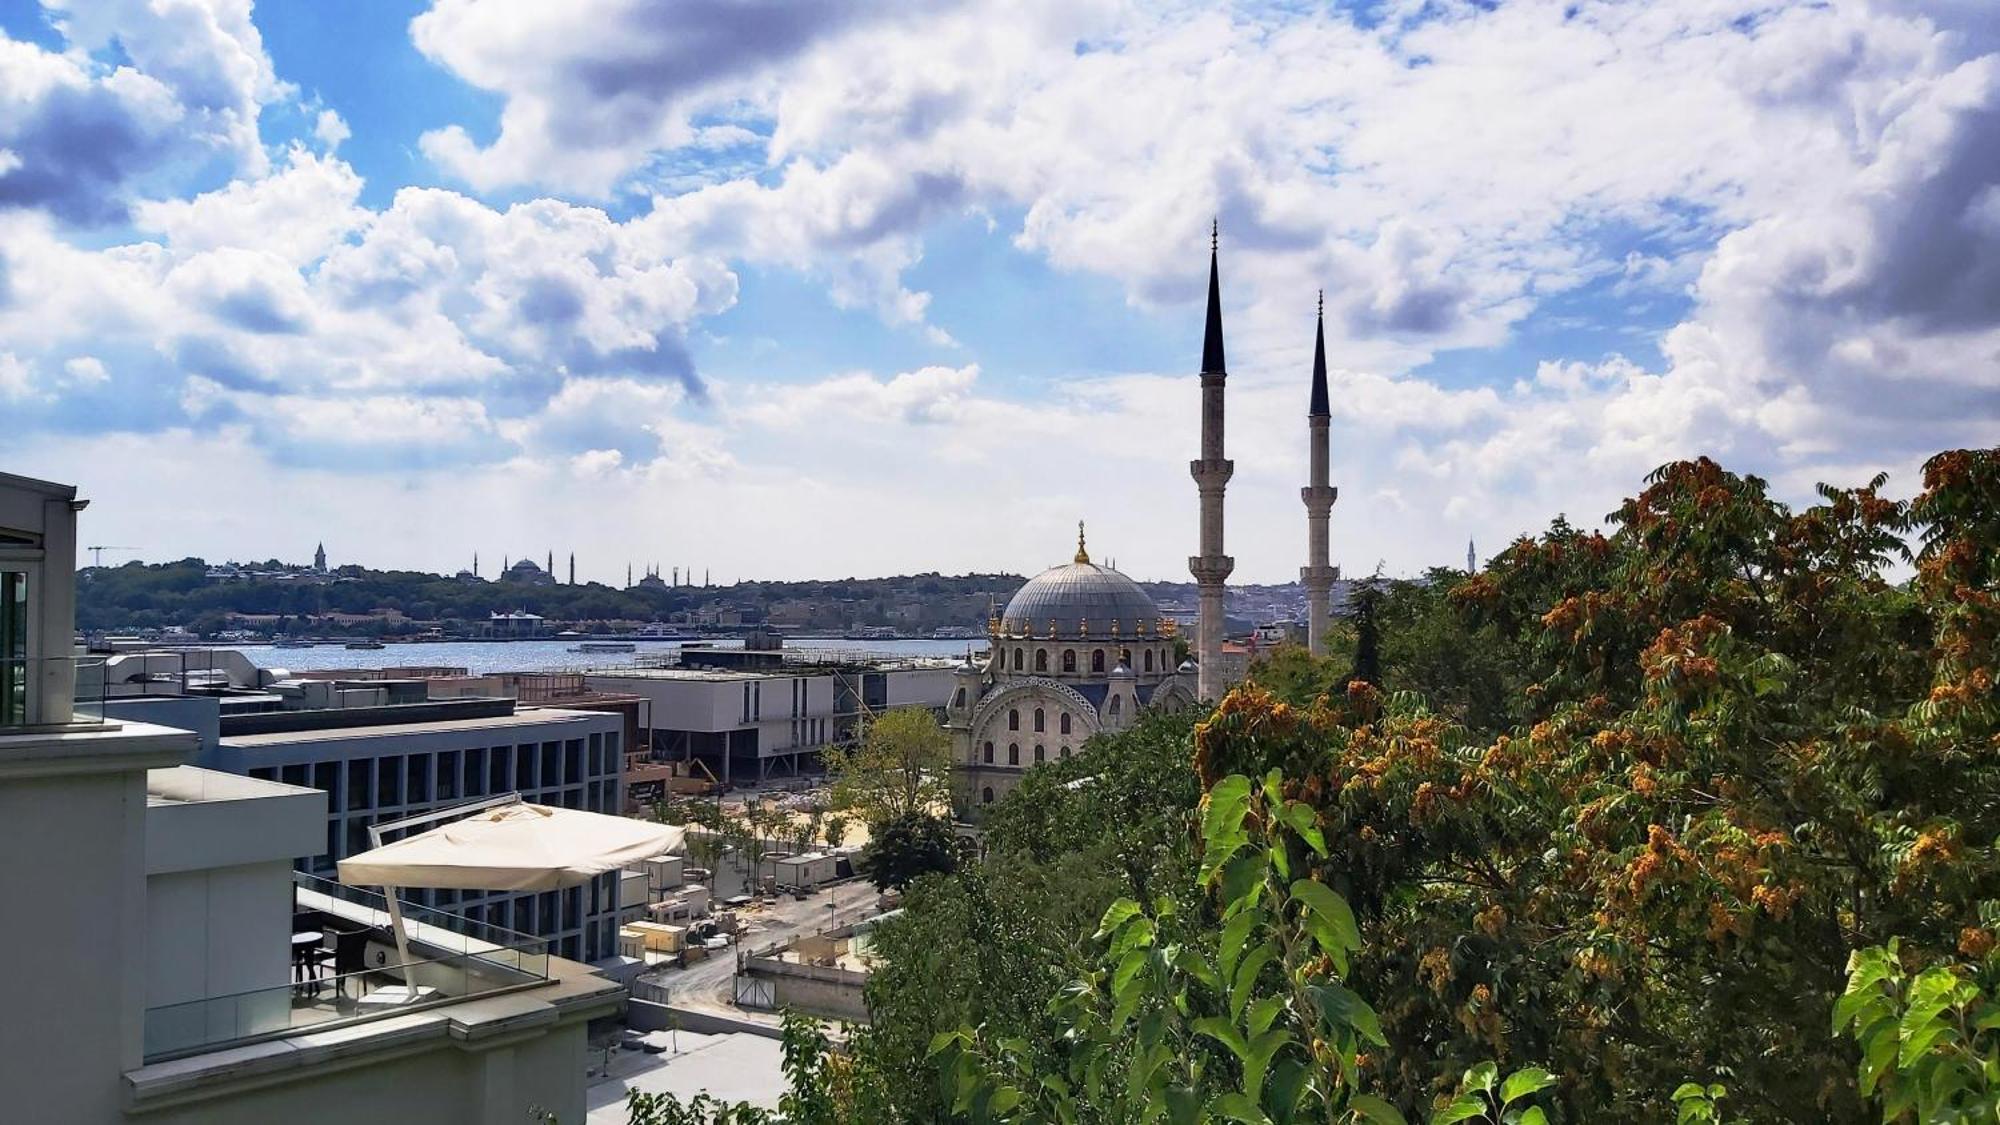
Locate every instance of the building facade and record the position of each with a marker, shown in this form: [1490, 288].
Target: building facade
[1079, 649]
[155, 918]
[770, 714]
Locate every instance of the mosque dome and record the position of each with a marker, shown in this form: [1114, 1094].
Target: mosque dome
[1077, 595]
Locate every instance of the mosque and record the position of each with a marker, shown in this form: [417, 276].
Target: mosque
[1081, 648]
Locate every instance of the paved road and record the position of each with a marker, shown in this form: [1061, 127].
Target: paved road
[707, 984]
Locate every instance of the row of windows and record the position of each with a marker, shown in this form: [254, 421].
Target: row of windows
[1041, 720]
[809, 732]
[753, 701]
[1014, 753]
[1096, 660]
[395, 779]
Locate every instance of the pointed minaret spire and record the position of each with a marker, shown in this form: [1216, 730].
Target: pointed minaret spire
[1318, 575]
[1471, 558]
[1320, 407]
[1082, 555]
[572, 568]
[1211, 568]
[1211, 341]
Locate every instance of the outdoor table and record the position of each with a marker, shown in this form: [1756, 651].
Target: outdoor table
[305, 962]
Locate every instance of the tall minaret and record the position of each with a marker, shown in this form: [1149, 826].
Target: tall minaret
[1211, 475]
[1317, 575]
[475, 564]
[552, 566]
[572, 568]
[1471, 558]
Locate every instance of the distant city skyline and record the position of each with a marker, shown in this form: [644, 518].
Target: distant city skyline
[874, 290]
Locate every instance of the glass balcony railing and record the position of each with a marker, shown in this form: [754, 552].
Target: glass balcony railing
[451, 959]
[47, 691]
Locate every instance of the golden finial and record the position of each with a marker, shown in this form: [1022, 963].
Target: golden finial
[1082, 555]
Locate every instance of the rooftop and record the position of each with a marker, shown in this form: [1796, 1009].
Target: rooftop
[541, 716]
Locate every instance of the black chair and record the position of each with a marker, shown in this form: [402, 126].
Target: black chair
[350, 955]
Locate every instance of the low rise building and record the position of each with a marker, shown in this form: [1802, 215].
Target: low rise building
[157, 961]
[749, 715]
[382, 749]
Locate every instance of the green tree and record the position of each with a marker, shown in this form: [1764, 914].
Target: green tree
[910, 846]
[900, 764]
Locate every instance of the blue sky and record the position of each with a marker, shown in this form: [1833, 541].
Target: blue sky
[793, 291]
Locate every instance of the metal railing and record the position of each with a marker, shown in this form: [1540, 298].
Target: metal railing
[452, 959]
[46, 691]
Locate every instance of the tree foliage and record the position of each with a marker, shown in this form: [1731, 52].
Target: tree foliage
[899, 766]
[1689, 820]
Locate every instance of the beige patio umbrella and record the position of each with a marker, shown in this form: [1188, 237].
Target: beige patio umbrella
[508, 846]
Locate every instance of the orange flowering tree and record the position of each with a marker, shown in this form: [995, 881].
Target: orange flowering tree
[1743, 752]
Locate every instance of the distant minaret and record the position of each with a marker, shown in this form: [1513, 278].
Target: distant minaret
[1317, 575]
[552, 566]
[475, 564]
[319, 557]
[628, 576]
[572, 568]
[704, 578]
[1211, 475]
[677, 576]
[1471, 558]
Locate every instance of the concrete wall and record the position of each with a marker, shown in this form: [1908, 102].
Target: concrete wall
[218, 932]
[72, 958]
[450, 1084]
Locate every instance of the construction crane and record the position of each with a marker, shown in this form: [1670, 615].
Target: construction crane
[97, 553]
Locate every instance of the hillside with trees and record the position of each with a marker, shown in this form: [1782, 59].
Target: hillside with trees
[1690, 821]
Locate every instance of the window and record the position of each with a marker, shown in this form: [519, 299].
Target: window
[1063, 723]
[14, 647]
[447, 775]
[958, 700]
[746, 702]
[1097, 660]
[1041, 660]
[417, 789]
[551, 758]
[986, 795]
[326, 776]
[475, 772]
[1017, 660]
[757, 701]
[524, 766]
[1013, 753]
[573, 760]
[1040, 755]
[389, 781]
[596, 753]
[1147, 659]
[499, 767]
[1116, 700]
[1040, 725]
[1065, 751]
[360, 786]
[1013, 720]
[987, 751]
[1069, 660]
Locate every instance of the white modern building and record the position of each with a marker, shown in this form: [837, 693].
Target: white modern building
[154, 919]
[383, 750]
[746, 716]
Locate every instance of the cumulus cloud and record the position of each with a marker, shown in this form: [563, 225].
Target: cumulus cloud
[1804, 199]
[81, 134]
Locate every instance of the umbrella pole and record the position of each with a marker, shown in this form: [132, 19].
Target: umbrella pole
[401, 930]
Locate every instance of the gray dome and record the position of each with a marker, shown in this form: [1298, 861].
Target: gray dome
[1078, 594]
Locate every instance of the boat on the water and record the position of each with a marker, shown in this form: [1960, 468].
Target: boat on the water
[369, 645]
[291, 644]
[605, 646]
